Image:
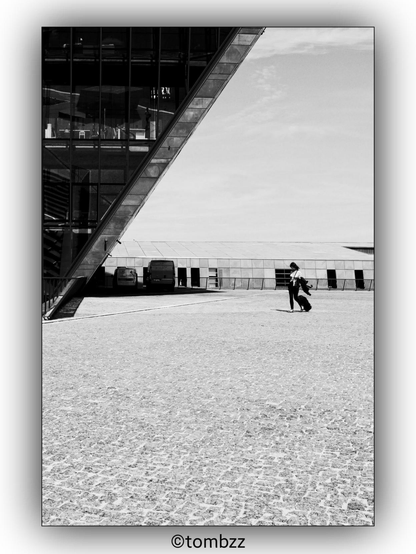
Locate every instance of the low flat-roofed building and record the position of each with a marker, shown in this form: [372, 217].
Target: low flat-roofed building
[250, 265]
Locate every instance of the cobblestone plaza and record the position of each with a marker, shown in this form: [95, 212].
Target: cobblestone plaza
[212, 408]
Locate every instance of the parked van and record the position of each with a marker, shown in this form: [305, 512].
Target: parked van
[125, 277]
[161, 274]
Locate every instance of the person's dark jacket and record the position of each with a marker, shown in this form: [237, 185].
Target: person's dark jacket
[304, 285]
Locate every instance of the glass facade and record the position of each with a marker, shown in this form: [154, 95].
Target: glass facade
[108, 95]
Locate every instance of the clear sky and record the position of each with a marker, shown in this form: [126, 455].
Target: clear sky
[285, 153]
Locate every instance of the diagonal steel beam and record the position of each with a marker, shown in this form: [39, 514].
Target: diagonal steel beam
[163, 155]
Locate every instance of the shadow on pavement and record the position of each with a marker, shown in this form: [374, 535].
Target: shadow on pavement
[143, 292]
[287, 311]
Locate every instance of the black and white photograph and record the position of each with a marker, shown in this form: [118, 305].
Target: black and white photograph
[208, 276]
[207, 237]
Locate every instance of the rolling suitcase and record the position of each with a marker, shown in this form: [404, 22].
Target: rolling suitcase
[304, 303]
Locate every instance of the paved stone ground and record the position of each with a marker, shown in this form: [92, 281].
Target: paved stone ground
[209, 409]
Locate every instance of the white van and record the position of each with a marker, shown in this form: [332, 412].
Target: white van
[125, 277]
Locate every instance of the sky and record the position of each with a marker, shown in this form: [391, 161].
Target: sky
[284, 154]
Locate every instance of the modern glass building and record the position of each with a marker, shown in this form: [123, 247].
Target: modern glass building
[118, 105]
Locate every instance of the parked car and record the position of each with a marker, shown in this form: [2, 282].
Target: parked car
[161, 274]
[125, 277]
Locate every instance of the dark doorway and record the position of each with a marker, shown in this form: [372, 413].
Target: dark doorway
[282, 277]
[332, 278]
[359, 278]
[195, 277]
[182, 276]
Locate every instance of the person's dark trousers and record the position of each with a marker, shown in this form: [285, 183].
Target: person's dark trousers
[293, 294]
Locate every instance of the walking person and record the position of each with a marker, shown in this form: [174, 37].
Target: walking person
[296, 279]
[293, 285]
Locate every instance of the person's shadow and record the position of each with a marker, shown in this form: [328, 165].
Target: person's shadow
[287, 311]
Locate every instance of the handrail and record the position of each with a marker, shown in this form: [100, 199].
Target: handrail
[51, 290]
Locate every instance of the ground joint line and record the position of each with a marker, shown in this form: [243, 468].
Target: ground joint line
[65, 319]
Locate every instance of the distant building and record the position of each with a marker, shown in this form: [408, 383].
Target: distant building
[249, 265]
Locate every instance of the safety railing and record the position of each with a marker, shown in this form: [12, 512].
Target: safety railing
[268, 283]
[52, 288]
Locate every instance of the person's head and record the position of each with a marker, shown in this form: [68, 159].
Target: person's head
[294, 266]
